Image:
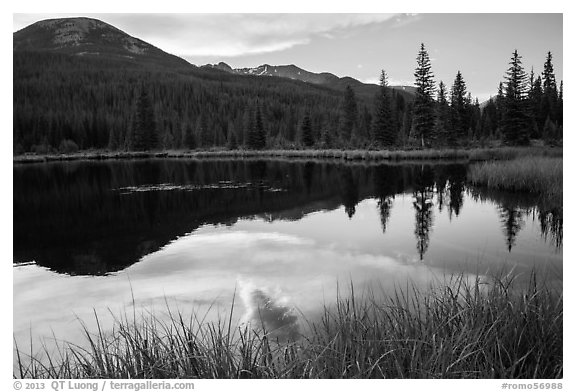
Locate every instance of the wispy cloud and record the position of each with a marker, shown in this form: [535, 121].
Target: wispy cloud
[405, 19]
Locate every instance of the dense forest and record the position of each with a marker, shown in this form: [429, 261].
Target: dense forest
[65, 102]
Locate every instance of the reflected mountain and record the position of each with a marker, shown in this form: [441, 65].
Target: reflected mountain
[94, 218]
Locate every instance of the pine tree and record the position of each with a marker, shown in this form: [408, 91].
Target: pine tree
[383, 129]
[257, 135]
[537, 117]
[145, 137]
[458, 106]
[423, 117]
[515, 120]
[442, 124]
[549, 90]
[548, 77]
[350, 113]
[307, 136]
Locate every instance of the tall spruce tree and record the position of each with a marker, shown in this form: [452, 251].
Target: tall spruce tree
[423, 114]
[383, 127]
[549, 90]
[548, 77]
[515, 120]
[459, 107]
[145, 137]
[537, 117]
[442, 124]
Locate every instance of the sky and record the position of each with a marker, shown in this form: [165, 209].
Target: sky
[356, 45]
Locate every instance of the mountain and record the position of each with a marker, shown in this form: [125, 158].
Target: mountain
[77, 83]
[324, 78]
[90, 38]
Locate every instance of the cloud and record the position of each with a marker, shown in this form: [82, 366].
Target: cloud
[226, 35]
[405, 19]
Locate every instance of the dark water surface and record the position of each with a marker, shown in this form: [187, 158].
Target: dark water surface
[112, 235]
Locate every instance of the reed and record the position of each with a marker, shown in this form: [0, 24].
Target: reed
[460, 329]
[536, 174]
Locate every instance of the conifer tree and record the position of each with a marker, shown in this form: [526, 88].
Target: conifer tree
[350, 113]
[383, 129]
[257, 135]
[499, 102]
[145, 137]
[458, 106]
[442, 124]
[515, 120]
[549, 90]
[548, 77]
[423, 115]
[534, 104]
[307, 136]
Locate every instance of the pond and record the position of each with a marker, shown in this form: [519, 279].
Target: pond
[113, 237]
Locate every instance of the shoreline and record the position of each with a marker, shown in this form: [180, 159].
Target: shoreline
[473, 154]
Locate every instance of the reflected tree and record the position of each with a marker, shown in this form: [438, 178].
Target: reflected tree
[457, 179]
[512, 222]
[385, 183]
[423, 203]
[551, 225]
[441, 188]
[349, 191]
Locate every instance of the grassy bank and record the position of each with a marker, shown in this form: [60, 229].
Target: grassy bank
[462, 329]
[475, 154]
[540, 175]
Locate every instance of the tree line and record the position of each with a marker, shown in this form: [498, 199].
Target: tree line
[525, 108]
[65, 103]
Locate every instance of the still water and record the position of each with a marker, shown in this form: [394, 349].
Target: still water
[108, 237]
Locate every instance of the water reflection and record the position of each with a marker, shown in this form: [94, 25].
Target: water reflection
[280, 235]
[94, 218]
[423, 194]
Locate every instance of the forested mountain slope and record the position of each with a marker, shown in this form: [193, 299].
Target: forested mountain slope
[80, 79]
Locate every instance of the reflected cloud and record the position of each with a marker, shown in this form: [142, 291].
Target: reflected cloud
[269, 311]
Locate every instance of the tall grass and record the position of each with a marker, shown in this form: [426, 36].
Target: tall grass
[462, 329]
[541, 175]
